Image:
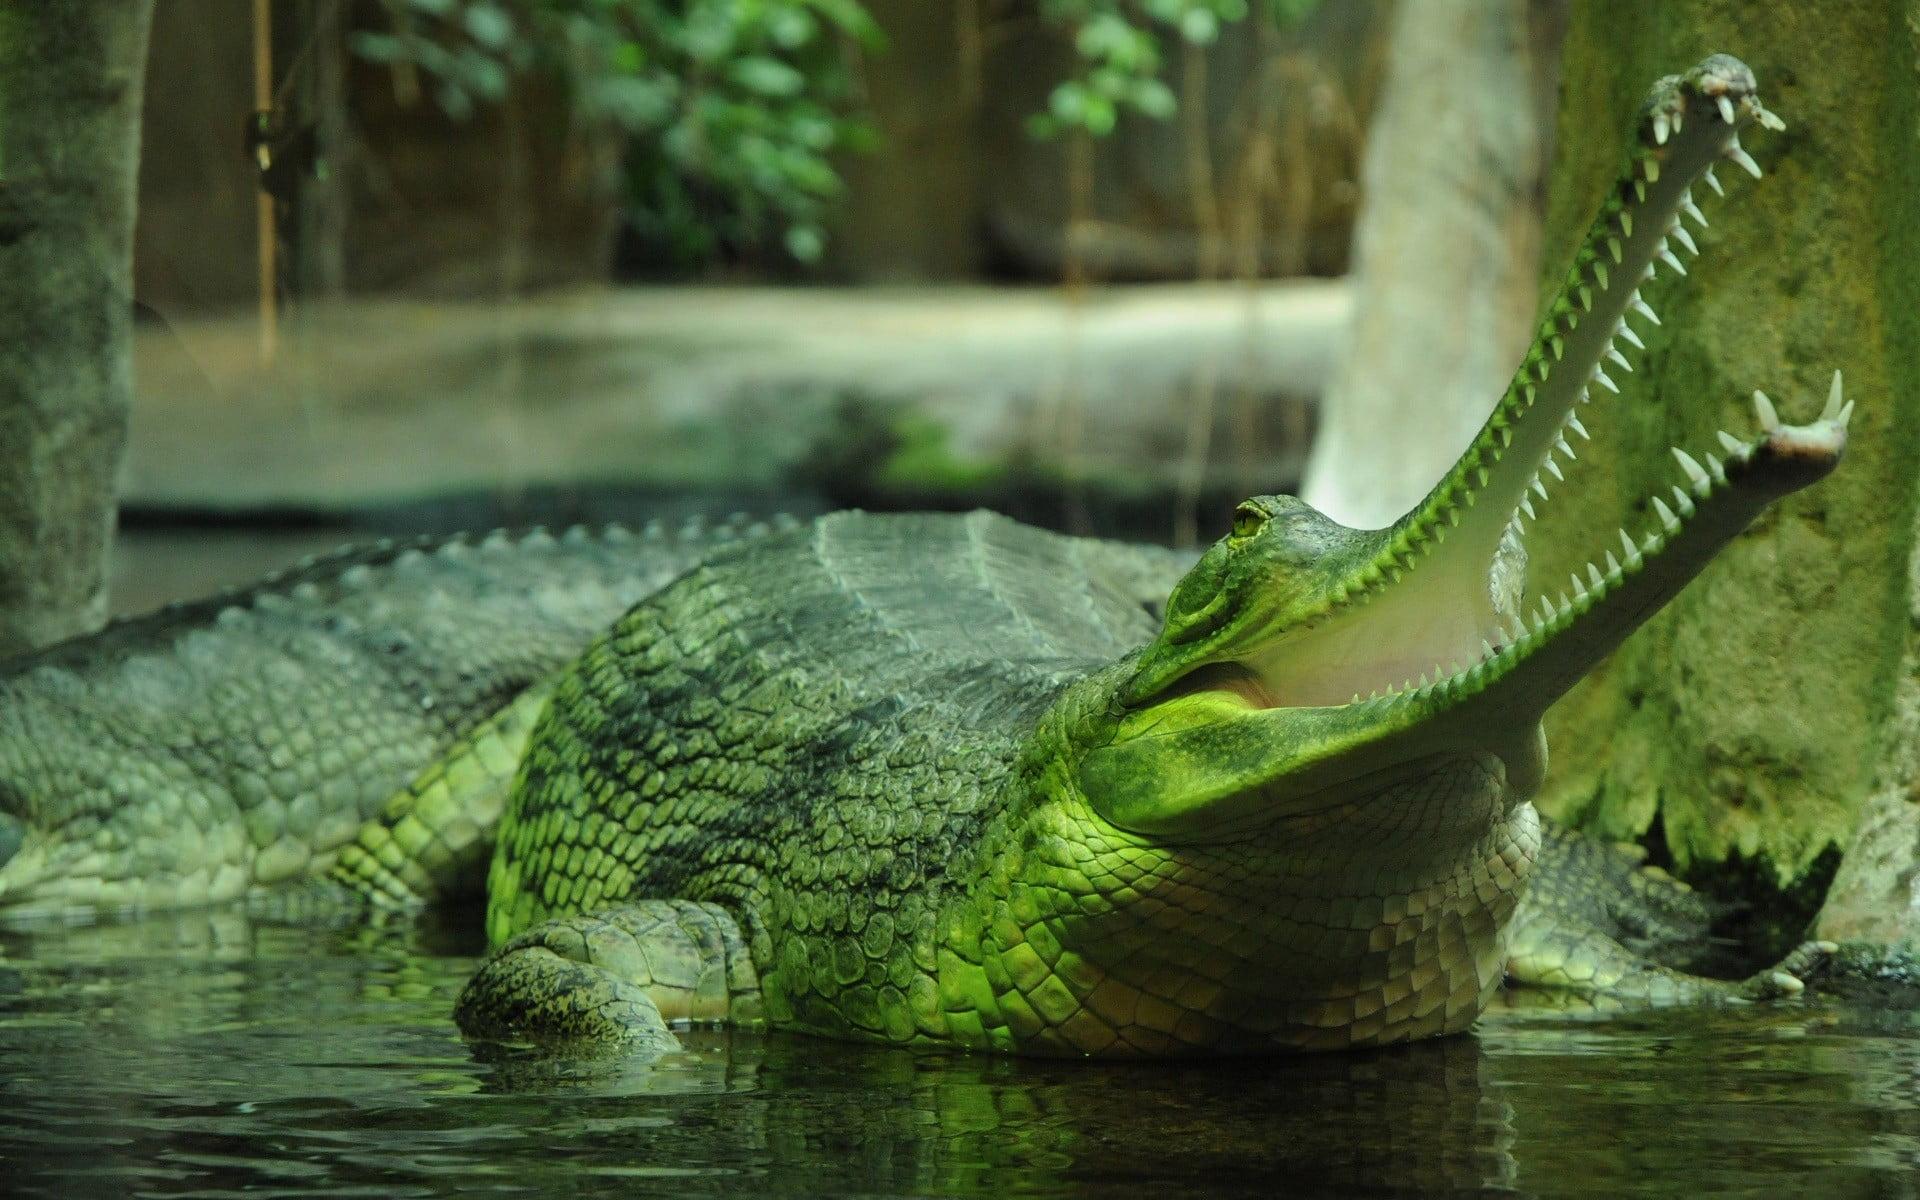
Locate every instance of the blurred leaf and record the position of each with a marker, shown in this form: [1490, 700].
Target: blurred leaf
[1100, 116]
[1153, 98]
[489, 25]
[483, 75]
[791, 28]
[628, 58]
[805, 242]
[767, 76]
[378, 47]
[1068, 104]
[1290, 12]
[1199, 26]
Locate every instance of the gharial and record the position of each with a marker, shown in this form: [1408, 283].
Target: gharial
[949, 780]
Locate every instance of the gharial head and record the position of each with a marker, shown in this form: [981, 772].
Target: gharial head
[1299, 654]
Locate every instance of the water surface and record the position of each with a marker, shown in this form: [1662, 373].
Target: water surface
[209, 1055]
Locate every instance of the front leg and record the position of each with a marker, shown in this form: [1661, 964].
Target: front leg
[615, 977]
[1589, 902]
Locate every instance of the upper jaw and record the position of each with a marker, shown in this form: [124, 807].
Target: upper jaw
[1423, 606]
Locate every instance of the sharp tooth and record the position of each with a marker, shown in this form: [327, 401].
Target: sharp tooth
[1573, 423]
[1667, 518]
[1600, 377]
[1614, 356]
[1481, 474]
[1626, 331]
[1688, 207]
[1562, 446]
[1565, 603]
[1547, 612]
[1539, 489]
[1835, 395]
[1660, 129]
[1613, 248]
[1651, 543]
[1586, 298]
[1633, 551]
[1585, 396]
[1651, 165]
[1668, 257]
[1651, 273]
[1613, 564]
[1579, 589]
[1731, 443]
[1553, 469]
[1846, 414]
[1713, 182]
[1740, 158]
[1593, 576]
[1768, 119]
[1643, 308]
[1423, 680]
[1356, 698]
[1486, 647]
[1640, 190]
[1683, 501]
[1680, 234]
[1726, 108]
[1526, 506]
[1769, 418]
[1695, 473]
[1626, 223]
[1600, 272]
[1677, 114]
[1515, 631]
[1716, 468]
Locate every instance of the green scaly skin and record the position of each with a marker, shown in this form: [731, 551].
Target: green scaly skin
[953, 781]
[214, 750]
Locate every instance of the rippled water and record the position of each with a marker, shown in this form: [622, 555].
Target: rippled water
[205, 1055]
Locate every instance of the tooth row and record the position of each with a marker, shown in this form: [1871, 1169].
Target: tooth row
[1582, 592]
[1590, 272]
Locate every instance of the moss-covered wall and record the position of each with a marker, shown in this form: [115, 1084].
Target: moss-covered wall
[1743, 723]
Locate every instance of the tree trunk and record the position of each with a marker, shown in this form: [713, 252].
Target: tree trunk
[70, 82]
[1744, 731]
[1447, 253]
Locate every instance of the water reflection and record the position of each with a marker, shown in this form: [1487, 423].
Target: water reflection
[207, 1054]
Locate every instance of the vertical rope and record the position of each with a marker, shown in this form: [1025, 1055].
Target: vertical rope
[263, 204]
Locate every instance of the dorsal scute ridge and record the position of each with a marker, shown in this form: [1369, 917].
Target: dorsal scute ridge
[322, 581]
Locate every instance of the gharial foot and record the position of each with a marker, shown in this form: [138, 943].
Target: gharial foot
[1588, 900]
[614, 979]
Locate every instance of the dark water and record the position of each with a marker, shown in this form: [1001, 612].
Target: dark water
[205, 1055]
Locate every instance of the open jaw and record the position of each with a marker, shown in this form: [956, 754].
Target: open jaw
[1418, 647]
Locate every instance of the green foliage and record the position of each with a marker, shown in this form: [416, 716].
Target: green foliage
[734, 107]
[1117, 47]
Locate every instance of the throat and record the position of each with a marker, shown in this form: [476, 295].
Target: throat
[1381, 919]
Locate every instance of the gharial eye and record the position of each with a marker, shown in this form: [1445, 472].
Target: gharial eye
[1247, 521]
